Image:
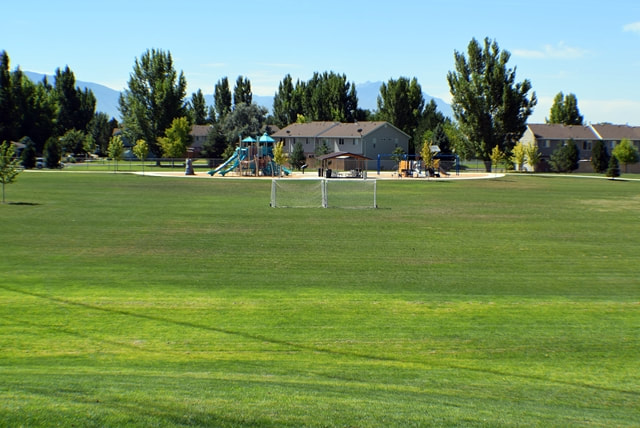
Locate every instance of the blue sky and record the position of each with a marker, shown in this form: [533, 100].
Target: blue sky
[589, 48]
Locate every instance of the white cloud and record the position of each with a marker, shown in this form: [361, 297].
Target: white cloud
[559, 51]
[634, 27]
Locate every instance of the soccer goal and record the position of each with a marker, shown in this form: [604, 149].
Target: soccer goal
[331, 193]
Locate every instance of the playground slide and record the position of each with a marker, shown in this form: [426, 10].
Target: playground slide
[231, 163]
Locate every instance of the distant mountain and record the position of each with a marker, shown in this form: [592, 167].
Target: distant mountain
[106, 98]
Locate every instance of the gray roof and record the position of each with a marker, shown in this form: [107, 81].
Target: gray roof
[554, 131]
[608, 131]
[331, 129]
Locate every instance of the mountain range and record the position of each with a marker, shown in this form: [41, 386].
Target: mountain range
[107, 98]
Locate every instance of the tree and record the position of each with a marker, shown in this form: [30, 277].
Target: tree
[626, 153]
[116, 150]
[215, 144]
[297, 158]
[401, 103]
[497, 156]
[599, 157]
[518, 155]
[72, 142]
[154, 98]
[565, 158]
[52, 153]
[177, 139]
[141, 150]
[245, 119]
[427, 155]
[198, 108]
[490, 106]
[279, 156]
[76, 107]
[9, 165]
[101, 130]
[28, 155]
[533, 154]
[565, 110]
[613, 169]
[222, 98]
[286, 103]
[397, 155]
[242, 92]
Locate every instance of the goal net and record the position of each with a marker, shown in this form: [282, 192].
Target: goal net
[332, 193]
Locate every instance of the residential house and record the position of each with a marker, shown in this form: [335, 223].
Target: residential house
[368, 139]
[550, 136]
[198, 137]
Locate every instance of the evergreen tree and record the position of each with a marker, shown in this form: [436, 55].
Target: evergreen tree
[489, 105]
[52, 153]
[7, 122]
[154, 98]
[215, 143]
[565, 158]
[599, 157]
[28, 155]
[613, 169]
[297, 158]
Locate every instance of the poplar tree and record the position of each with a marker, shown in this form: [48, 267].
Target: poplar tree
[222, 99]
[242, 92]
[489, 105]
[565, 110]
[154, 98]
[401, 103]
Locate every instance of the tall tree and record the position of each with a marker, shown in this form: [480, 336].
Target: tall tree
[401, 103]
[565, 110]
[198, 108]
[242, 92]
[285, 107]
[76, 107]
[489, 105]
[154, 98]
[101, 130]
[7, 121]
[222, 98]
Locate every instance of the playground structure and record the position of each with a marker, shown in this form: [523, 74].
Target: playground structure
[252, 157]
[411, 166]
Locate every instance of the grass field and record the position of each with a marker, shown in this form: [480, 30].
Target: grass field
[150, 301]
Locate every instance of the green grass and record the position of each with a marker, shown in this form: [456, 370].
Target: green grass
[129, 300]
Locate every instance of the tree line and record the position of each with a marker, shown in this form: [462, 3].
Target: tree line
[490, 107]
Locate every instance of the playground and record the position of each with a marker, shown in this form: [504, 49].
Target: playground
[253, 157]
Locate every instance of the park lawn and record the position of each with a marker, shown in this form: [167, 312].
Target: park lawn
[129, 300]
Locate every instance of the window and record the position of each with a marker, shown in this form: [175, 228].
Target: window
[341, 141]
[586, 145]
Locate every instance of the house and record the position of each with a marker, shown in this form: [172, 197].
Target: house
[198, 137]
[366, 139]
[550, 136]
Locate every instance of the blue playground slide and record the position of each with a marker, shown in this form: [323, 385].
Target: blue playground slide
[230, 164]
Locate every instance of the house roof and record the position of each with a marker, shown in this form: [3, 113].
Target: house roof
[342, 155]
[312, 129]
[200, 130]
[608, 131]
[554, 131]
[332, 129]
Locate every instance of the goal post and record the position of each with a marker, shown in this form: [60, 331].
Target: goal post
[323, 193]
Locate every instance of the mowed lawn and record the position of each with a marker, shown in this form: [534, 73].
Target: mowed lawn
[153, 301]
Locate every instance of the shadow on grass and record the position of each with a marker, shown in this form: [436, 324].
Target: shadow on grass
[32, 204]
[311, 348]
